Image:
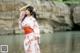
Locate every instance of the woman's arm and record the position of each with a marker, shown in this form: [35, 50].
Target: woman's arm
[37, 31]
[22, 13]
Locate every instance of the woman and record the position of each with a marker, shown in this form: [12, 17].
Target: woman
[29, 25]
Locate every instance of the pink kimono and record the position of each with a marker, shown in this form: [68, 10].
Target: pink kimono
[32, 40]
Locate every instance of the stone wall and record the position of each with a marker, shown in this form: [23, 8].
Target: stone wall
[55, 15]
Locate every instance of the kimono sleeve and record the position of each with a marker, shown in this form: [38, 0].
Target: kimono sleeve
[20, 19]
[36, 29]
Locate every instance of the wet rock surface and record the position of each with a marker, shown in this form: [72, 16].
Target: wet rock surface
[55, 15]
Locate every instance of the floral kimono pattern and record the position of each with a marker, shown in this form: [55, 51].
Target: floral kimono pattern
[31, 40]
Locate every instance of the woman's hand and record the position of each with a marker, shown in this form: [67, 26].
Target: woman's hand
[22, 14]
[38, 39]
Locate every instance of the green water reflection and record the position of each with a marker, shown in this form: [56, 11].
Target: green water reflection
[58, 42]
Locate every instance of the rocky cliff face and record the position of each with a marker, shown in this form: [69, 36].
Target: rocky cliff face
[52, 16]
[76, 14]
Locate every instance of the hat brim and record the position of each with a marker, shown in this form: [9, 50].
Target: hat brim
[23, 8]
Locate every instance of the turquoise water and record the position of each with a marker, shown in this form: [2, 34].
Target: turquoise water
[58, 42]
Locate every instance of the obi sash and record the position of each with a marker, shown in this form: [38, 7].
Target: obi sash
[27, 30]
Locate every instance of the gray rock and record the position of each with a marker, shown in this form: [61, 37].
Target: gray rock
[76, 15]
[51, 14]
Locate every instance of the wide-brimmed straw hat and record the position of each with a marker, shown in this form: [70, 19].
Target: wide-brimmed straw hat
[24, 7]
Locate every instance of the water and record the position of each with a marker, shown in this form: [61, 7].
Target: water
[58, 42]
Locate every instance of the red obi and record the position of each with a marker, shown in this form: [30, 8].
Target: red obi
[27, 30]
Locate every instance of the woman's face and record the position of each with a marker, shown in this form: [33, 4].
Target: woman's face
[27, 12]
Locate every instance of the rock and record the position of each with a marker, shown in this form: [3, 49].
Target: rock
[57, 12]
[9, 15]
[76, 15]
[52, 14]
[6, 27]
[45, 27]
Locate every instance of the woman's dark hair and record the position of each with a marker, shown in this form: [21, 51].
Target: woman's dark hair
[31, 9]
[23, 18]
